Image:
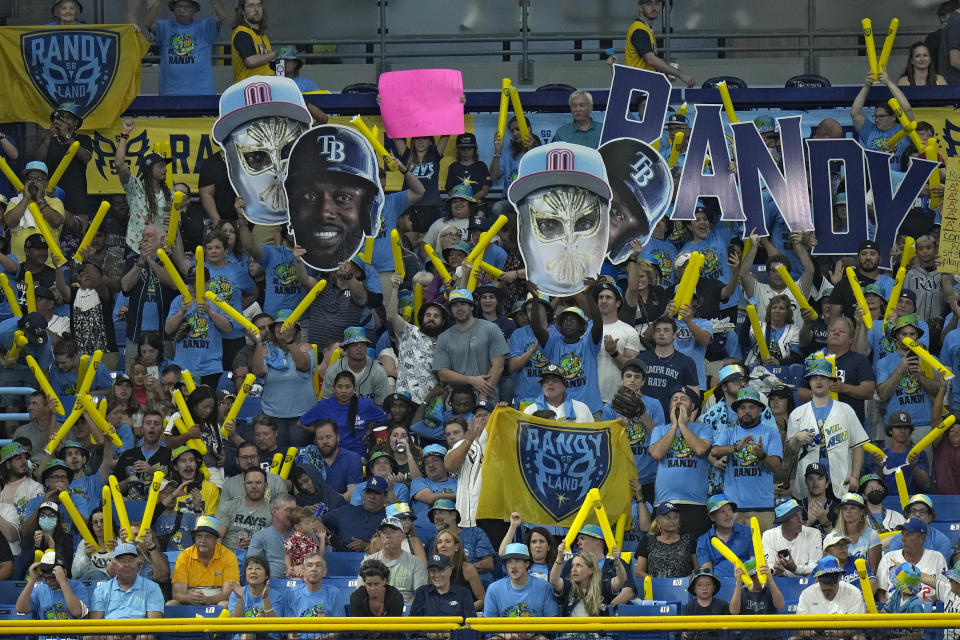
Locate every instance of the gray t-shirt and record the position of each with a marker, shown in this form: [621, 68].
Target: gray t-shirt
[469, 352]
[242, 520]
[233, 487]
[407, 573]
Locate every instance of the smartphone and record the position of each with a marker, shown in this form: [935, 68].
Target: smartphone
[784, 553]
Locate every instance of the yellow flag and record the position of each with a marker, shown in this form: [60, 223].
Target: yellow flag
[95, 67]
[544, 469]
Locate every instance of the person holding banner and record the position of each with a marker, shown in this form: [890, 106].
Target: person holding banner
[553, 396]
[422, 157]
[18, 217]
[874, 135]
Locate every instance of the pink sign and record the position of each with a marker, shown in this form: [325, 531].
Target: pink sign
[423, 102]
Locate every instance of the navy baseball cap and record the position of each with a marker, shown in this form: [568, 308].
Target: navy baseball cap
[376, 483]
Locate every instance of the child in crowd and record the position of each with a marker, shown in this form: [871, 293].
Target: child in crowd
[309, 536]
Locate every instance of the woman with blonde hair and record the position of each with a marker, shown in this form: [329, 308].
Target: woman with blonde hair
[852, 523]
[447, 543]
[644, 293]
[584, 593]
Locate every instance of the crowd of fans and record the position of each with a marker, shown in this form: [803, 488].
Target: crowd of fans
[385, 409]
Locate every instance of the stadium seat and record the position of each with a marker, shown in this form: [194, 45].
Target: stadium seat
[647, 608]
[732, 82]
[135, 509]
[251, 407]
[9, 612]
[949, 529]
[360, 87]
[345, 584]
[727, 586]
[191, 611]
[807, 80]
[10, 590]
[278, 584]
[788, 607]
[343, 563]
[791, 587]
[171, 557]
[946, 506]
[566, 88]
[669, 589]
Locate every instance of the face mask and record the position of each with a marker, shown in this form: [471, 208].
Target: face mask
[47, 523]
[875, 497]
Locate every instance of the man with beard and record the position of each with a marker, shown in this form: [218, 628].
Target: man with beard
[248, 458]
[435, 484]
[754, 451]
[867, 271]
[342, 469]
[830, 595]
[352, 526]
[18, 490]
[334, 194]
[244, 515]
[250, 45]
[144, 460]
[473, 351]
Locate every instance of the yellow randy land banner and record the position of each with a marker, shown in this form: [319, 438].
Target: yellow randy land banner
[946, 126]
[190, 144]
[544, 469]
[95, 67]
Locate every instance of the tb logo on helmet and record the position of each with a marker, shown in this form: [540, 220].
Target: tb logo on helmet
[331, 148]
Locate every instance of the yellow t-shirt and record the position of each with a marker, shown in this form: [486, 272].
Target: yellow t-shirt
[632, 57]
[240, 70]
[27, 227]
[190, 569]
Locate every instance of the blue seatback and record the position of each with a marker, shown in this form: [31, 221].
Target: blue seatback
[670, 589]
[791, 588]
[343, 563]
[10, 590]
[191, 611]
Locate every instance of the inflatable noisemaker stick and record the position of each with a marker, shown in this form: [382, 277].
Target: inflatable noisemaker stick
[151, 504]
[438, 265]
[417, 302]
[275, 462]
[44, 384]
[504, 106]
[871, 47]
[335, 355]
[901, 488]
[316, 371]
[795, 290]
[894, 105]
[888, 44]
[77, 519]
[934, 181]
[490, 270]
[732, 559]
[15, 180]
[178, 282]
[895, 294]
[121, 508]
[52, 244]
[232, 313]
[518, 114]
[585, 509]
[602, 518]
[682, 109]
[874, 450]
[30, 291]
[361, 126]
[10, 296]
[175, 208]
[924, 356]
[302, 307]
[89, 373]
[397, 253]
[92, 231]
[485, 239]
[367, 254]
[64, 429]
[865, 587]
[194, 443]
[234, 411]
[909, 251]
[935, 433]
[758, 332]
[407, 314]
[888, 534]
[696, 265]
[102, 407]
[62, 167]
[287, 462]
[188, 380]
[101, 422]
[201, 272]
[895, 139]
[472, 280]
[858, 295]
[758, 554]
[621, 530]
[19, 342]
[182, 408]
[727, 102]
[685, 280]
[675, 149]
[647, 588]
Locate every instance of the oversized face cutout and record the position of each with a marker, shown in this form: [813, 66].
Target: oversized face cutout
[563, 236]
[256, 154]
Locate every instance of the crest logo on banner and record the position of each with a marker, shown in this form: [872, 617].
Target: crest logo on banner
[560, 465]
[72, 65]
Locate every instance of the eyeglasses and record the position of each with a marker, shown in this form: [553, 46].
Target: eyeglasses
[922, 512]
[253, 483]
